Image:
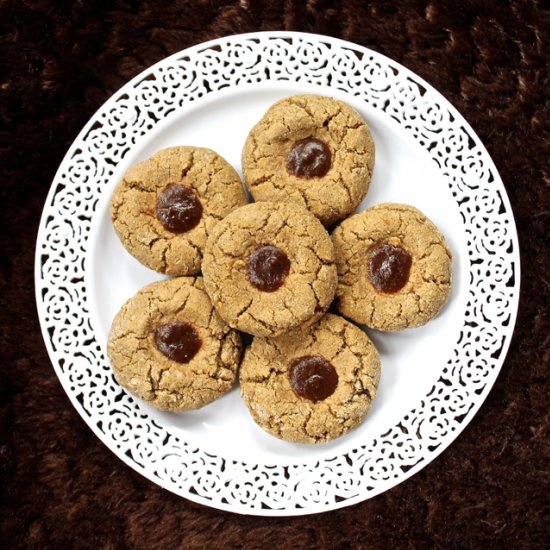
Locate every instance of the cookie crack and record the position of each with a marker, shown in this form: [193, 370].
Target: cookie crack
[160, 376]
[304, 107]
[151, 380]
[329, 118]
[163, 259]
[361, 390]
[182, 306]
[137, 185]
[245, 309]
[263, 179]
[341, 182]
[263, 324]
[185, 170]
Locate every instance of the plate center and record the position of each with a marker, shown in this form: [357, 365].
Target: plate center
[411, 360]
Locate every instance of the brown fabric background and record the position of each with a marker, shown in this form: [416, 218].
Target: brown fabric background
[60, 487]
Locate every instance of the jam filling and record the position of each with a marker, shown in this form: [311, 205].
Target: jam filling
[178, 208]
[308, 158]
[268, 267]
[312, 377]
[389, 268]
[178, 341]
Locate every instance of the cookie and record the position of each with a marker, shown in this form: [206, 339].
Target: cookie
[169, 347]
[311, 385]
[269, 267]
[164, 208]
[313, 150]
[394, 268]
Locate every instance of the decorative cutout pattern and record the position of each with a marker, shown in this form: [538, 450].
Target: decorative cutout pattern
[265, 488]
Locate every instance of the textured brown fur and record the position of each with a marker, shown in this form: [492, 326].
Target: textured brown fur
[60, 487]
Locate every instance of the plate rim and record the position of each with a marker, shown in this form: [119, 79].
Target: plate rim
[513, 309]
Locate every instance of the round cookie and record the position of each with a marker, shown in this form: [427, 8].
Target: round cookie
[313, 150]
[164, 208]
[394, 267]
[169, 347]
[269, 267]
[311, 385]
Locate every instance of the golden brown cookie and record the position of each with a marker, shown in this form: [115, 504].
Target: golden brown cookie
[394, 267]
[164, 208]
[313, 150]
[269, 267]
[311, 385]
[169, 347]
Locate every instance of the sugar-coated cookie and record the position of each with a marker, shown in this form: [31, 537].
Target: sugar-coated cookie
[164, 208]
[394, 267]
[311, 385]
[269, 267]
[169, 347]
[313, 150]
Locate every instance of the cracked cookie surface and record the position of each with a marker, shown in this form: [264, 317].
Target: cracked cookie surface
[428, 283]
[147, 372]
[206, 178]
[276, 407]
[330, 196]
[306, 290]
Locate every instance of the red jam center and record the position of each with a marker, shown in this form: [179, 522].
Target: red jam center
[178, 341]
[178, 208]
[312, 377]
[308, 158]
[389, 268]
[268, 267]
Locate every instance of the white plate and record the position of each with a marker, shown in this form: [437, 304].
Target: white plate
[434, 378]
